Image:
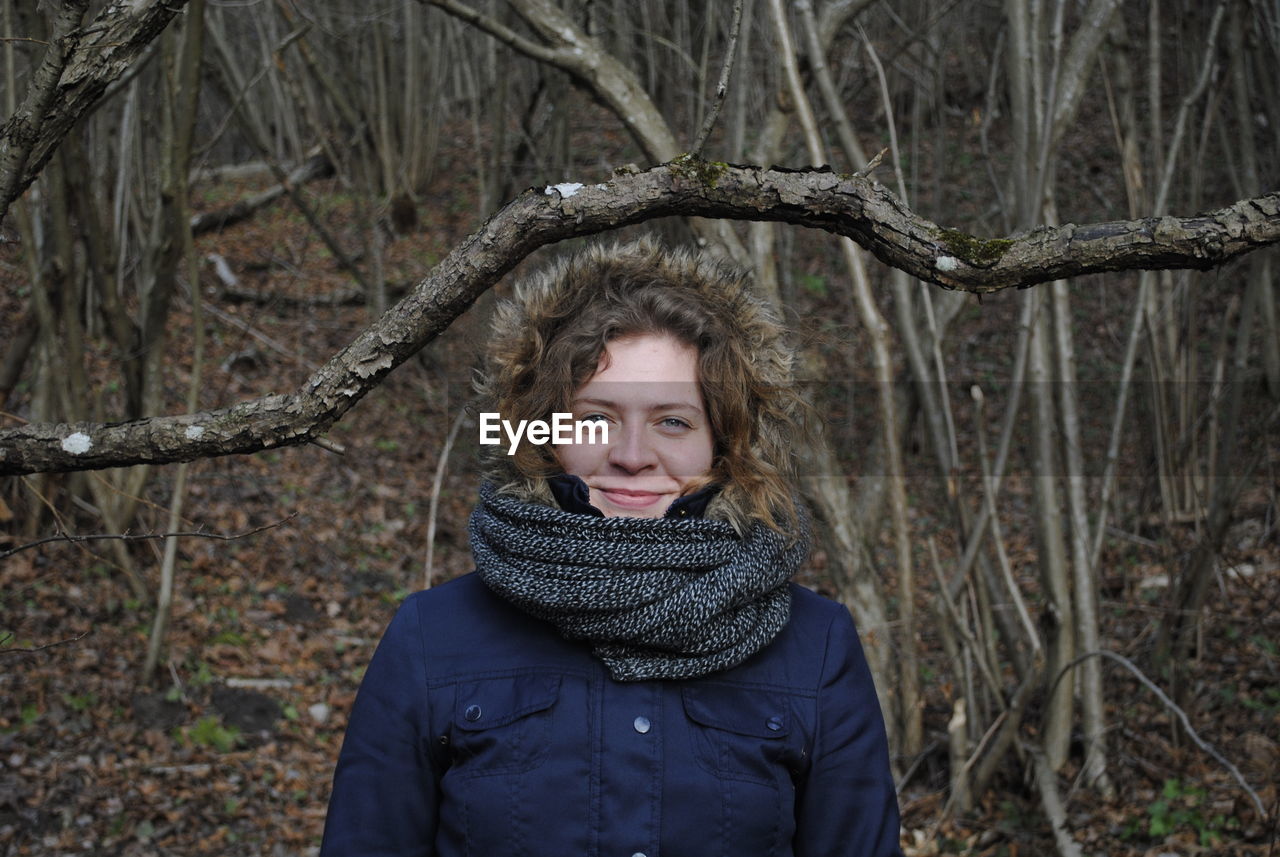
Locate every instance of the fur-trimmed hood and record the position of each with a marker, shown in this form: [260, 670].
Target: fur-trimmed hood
[544, 307]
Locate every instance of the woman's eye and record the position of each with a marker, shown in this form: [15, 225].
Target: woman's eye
[592, 418]
[675, 423]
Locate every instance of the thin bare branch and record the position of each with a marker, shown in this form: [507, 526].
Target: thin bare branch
[1176, 711]
[135, 537]
[31, 649]
[723, 86]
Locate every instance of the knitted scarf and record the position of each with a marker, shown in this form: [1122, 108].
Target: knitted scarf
[658, 598]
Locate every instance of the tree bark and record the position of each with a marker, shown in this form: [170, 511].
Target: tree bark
[852, 206]
[79, 65]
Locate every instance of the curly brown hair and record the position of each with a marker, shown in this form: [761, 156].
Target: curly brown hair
[548, 338]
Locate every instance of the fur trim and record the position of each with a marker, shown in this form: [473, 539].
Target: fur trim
[541, 305]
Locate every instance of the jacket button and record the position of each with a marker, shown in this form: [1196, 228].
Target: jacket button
[642, 726]
[774, 723]
[638, 854]
[472, 713]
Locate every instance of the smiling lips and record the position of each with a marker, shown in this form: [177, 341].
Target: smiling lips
[630, 499]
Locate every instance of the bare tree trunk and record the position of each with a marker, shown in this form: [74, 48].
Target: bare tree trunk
[1046, 93]
[1058, 614]
[1083, 572]
[1188, 592]
[16, 355]
[909, 707]
[1260, 266]
[182, 91]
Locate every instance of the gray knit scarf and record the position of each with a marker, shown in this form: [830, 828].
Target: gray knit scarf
[658, 598]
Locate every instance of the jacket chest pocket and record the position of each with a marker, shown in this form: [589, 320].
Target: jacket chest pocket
[502, 725]
[742, 733]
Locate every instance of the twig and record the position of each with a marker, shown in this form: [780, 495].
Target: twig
[196, 768]
[914, 766]
[329, 445]
[264, 151]
[961, 628]
[437, 483]
[723, 86]
[9, 636]
[996, 477]
[177, 680]
[260, 683]
[129, 537]
[990, 488]
[1207, 66]
[245, 327]
[1173, 707]
[136, 582]
[872, 165]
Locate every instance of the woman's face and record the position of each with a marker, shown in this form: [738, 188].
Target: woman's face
[646, 390]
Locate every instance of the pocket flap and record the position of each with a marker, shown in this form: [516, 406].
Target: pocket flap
[492, 702]
[744, 711]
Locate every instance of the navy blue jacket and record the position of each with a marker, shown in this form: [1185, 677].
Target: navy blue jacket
[478, 730]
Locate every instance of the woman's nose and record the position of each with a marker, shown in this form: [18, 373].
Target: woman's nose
[632, 451]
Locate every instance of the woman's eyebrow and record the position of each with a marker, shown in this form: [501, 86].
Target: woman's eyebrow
[659, 406]
[676, 406]
[599, 403]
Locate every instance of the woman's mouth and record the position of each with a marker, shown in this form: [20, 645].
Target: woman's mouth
[628, 499]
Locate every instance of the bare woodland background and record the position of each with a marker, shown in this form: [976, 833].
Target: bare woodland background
[1052, 511]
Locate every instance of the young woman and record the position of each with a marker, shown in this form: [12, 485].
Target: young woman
[628, 672]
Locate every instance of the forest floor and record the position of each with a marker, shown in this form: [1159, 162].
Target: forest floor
[230, 748]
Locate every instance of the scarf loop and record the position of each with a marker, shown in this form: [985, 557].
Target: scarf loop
[658, 598]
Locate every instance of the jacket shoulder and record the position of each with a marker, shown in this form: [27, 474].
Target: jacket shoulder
[462, 591]
[466, 629]
[809, 604]
[815, 618]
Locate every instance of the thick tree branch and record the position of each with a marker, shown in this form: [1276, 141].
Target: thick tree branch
[82, 62]
[21, 131]
[571, 50]
[502, 32]
[856, 207]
